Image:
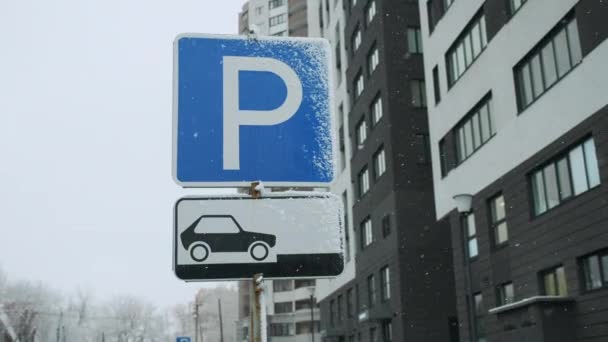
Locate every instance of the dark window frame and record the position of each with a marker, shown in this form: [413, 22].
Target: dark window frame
[553, 271]
[600, 254]
[501, 295]
[486, 100]
[494, 224]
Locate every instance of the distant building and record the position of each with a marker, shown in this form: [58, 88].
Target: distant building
[279, 17]
[518, 113]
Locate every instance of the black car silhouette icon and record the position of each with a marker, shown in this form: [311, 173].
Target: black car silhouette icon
[222, 233]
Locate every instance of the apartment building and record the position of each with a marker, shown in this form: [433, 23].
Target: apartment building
[518, 118]
[293, 18]
[402, 284]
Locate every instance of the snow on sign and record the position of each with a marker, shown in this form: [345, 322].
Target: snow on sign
[291, 235]
[250, 109]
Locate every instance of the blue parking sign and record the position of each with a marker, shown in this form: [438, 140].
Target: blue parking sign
[183, 339]
[252, 109]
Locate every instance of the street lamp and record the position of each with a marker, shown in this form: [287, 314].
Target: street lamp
[311, 290]
[463, 203]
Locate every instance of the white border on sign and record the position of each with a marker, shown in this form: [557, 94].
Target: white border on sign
[239, 184]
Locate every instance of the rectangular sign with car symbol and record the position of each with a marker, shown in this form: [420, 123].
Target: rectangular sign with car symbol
[287, 235]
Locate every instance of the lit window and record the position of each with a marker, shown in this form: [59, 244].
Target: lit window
[476, 129]
[566, 176]
[356, 39]
[379, 162]
[466, 49]
[548, 63]
[595, 271]
[414, 40]
[554, 282]
[499, 223]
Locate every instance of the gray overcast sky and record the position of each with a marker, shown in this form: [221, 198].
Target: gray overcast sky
[86, 193]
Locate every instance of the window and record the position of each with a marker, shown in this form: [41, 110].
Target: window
[475, 130]
[436, 85]
[465, 50]
[514, 5]
[479, 321]
[359, 85]
[363, 181]
[366, 233]
[371, 290]
[569, 175]
[468, 223]
[595, 271]
[386, 225]
[283, 307]
[550, 61]
[418, 93]
[505, 294]
[361, 131]
[372, 60]
[554, 282]
[443, 158]
[258, 10]
[276, 3]
[282, 329]
[379, 162]
[414, 40]
[376, 109]
[218, 225]
[349, 302]
[304, 283]
[373, 334]
[339, 303]
[304, 304]
[332, 312]
[346, 228]
[385, 283]
[282, 285]
[370, 12]
[387, 331]
[356, 40]
[422, 144]
[277, 19]
[353, 3]
[498, 221]
[304, 327]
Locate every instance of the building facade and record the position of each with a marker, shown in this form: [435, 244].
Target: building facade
[294, 18]
[518, 118]
[402, 284]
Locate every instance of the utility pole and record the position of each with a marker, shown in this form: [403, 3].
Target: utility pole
[219, 309]
[312, 317]
[196, 320]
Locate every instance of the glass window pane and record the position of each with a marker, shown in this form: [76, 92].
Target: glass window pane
[502, 233]
[551, 186]
[468, 49]
[476, 131]
[471, 229]
[509, 293]
[485, 124]
[411, 40]
[461, 60]
[475, 36]
[473, 248]
[561, 53]
[549, 283]
[498, 208]
[527, 84]
[560, 275]
[537, 76]
[455, 70]
[415, 88]
[605, 268]
[488, 108]
[482, 26]
[462, 152]
[575, 45]
[591, 163]
[564, 179]
[538, 189]
[577, 165]
[468, 135]
[593, 278]
[549, 67]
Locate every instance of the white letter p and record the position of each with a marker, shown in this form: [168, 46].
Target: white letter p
[234, 117]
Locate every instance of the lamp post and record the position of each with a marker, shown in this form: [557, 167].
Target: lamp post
[312, 313]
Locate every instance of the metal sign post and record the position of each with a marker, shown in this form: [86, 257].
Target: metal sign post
[259, 323]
